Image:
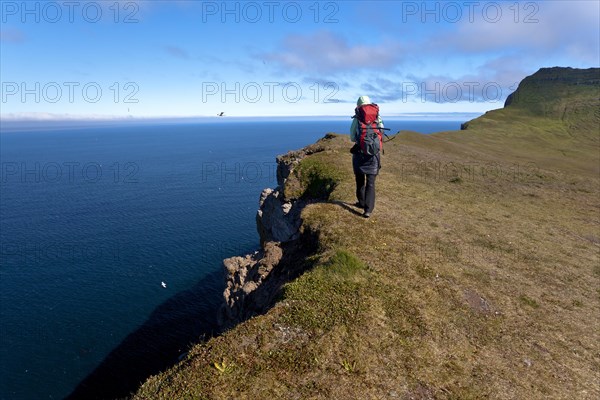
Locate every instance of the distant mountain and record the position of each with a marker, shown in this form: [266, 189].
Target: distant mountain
[567, 94]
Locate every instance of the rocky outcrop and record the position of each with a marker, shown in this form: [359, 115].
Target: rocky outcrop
[253, 281]
[243, 276]
[278, 220]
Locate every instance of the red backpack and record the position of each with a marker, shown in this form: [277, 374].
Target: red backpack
[370, 137]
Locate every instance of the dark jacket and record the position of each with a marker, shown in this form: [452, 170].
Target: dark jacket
[366, 164]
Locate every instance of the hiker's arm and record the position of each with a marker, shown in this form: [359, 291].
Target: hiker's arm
[380, 122]
[353, 130]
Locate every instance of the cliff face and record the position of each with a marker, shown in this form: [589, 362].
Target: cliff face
[568, 95]
[549, 85]
[253, 281]
[474, 281]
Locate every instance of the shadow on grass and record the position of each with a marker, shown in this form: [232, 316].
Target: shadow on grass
[349, 207]
[184, 319]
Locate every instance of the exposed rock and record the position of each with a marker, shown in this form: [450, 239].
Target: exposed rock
[244, 276]
[476, 302]
[278, 217]
[277, 220]
[253, 281]
[287, 162]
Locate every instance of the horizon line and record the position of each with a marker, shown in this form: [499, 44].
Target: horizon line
[43, 117]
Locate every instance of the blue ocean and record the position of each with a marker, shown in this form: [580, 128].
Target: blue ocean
[112, 236]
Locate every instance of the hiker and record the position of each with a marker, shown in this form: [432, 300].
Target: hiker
[366, 152]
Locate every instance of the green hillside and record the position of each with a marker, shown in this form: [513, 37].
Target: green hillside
[563, 101]
[478, 275]
[559, 93]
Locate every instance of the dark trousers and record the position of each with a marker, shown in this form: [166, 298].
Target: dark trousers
[365, 191]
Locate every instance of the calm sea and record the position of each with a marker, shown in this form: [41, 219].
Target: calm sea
[112, 236]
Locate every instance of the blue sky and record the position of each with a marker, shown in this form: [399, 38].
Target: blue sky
[107, 59]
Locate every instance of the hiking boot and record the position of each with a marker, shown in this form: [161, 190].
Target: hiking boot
[366, 214]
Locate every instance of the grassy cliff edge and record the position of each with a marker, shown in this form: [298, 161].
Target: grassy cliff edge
[477, 277]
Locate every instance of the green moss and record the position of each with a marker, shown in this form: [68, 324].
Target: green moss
[328, 295]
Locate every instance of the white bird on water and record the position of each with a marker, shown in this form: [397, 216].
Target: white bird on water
[163, 284]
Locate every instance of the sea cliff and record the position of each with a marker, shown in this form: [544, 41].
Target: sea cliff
[476, 276]
[253, 281]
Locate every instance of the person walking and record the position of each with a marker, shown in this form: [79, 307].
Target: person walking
[367, 134]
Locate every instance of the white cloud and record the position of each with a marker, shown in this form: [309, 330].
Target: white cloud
[325, 51]
[535, 27]
[490, 82]
[496, 55]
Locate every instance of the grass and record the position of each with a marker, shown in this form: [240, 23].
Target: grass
[314, 178]
[340, 277]
[486, 286]
[529, 302]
